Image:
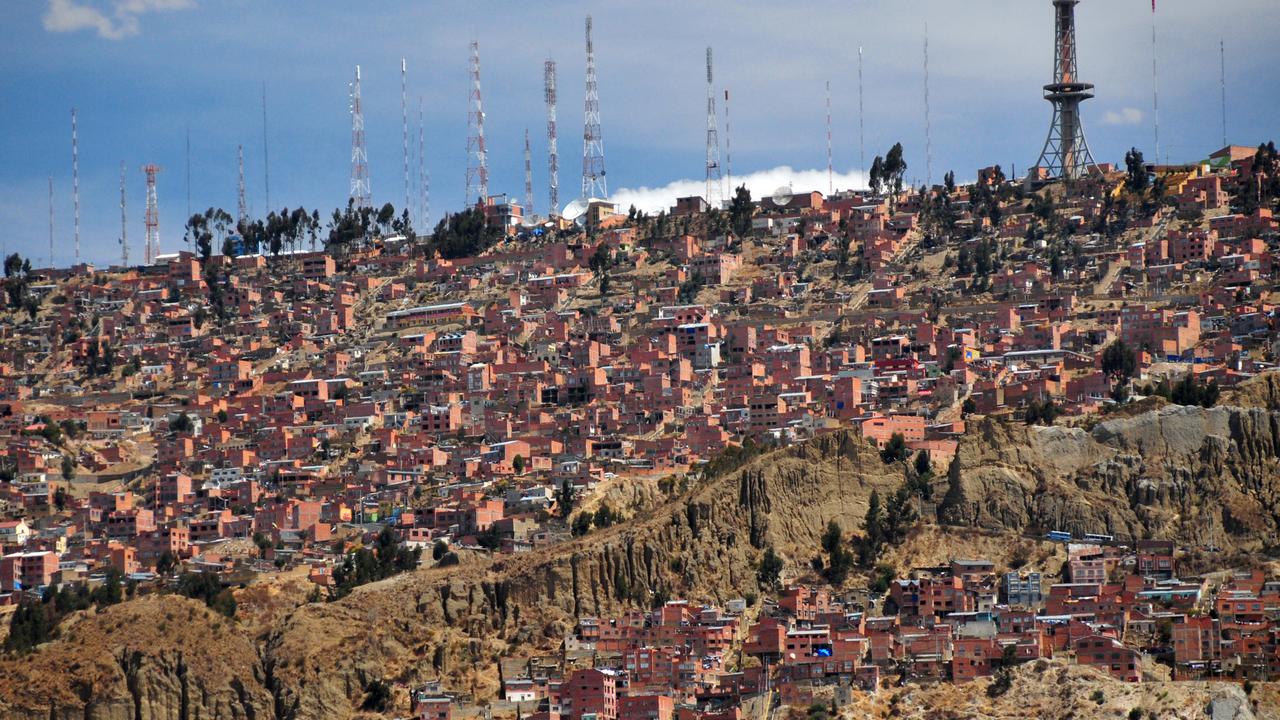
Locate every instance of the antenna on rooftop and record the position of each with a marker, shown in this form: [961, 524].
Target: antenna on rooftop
[477, 156]
[75, 180]
[715, 188]
[553, 154]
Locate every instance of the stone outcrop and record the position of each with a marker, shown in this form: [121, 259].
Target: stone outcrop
[1187, 473]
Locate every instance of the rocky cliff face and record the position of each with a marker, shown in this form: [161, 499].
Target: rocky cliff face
[1192, 474]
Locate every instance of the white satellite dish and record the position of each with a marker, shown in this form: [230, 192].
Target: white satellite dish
[782, 196]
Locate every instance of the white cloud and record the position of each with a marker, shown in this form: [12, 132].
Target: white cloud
[1124, 116]
[761, 183]
[122, 21]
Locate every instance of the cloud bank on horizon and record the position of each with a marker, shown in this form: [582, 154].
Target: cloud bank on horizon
[761, 183]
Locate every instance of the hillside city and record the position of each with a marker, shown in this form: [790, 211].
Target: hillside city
[344, 403]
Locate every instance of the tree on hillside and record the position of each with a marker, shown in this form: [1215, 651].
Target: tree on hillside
[895, 449]
[839, 560]
[876, 176]
[462, 234]
[68, 468]
[894, 168]
[1136, 177]
[1119, 361]
[740, 212]
[566, 495]
[770, 569]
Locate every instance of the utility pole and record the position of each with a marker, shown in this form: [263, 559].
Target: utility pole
[553, 154]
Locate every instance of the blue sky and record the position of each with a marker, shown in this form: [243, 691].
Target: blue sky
[143, 72]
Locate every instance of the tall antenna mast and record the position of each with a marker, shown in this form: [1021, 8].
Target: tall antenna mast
[152, 218]
[1222, 80]
[75, 180]
[361, 193]
[477, 156]
[928, 128]
[553, 154]
[424, 181]
[1155, 83]
[242, 208]
[404, 126]
[715, 189]
[528, 175]
[124, 226]
[862, 145]
[593, 180]
[189, 172]
[728, 149]
[266, 159]
[50, 222]
[1066, 155]
[830, 176]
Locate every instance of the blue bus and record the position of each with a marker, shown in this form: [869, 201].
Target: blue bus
[1058, 536]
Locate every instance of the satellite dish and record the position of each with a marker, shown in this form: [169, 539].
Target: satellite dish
[782, 196]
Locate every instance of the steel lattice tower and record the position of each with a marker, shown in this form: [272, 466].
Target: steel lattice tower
[361, 193]
[75, 180]
[124, 225]
[152, 218]
[728, 147]
[830, 173]
[715, 187]
[50, 222]
[528, 175]
[404, 126]
[477, 156]
[424, 180]
[593, 173]
[553, 154]
[242, 205]
[1066, 154]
